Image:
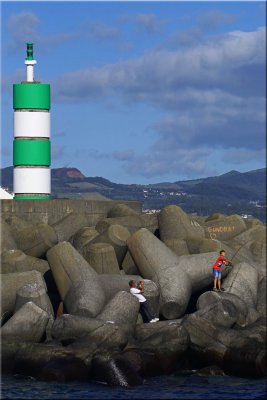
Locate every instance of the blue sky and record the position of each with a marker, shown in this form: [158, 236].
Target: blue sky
[143, 92]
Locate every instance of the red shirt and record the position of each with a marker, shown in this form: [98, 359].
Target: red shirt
[218, 263]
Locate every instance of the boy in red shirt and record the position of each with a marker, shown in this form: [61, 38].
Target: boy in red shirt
[217, 274]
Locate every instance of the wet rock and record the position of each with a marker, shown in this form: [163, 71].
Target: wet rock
[132, 222]
[116, 236]
[65, 370]
[70, 328]
[83, 236]
[31, 358]
[69, 225]
[157, 262]
[243, 282]
[17, 261]
[174, 223]
[224, 228]
[121, 210]
[115, 371]
[261, 301]
[102, 257]
[122, 309]
[77, 282]
[35, 240]
[10, 284]
[27, 324]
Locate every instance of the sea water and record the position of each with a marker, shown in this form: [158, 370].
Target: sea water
[189, 386]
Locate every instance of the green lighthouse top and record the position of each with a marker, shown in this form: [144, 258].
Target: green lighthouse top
[29, 51]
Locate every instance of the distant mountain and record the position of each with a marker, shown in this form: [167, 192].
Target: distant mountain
[231, 193]
[66, 173]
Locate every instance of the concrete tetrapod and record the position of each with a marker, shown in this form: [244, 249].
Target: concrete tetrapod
[17, 261]
[178, 246]
[116, 236]
[17, 223]
[83, 236]
[113, 284]
[122, 309]
[174, 223]
[199, 269]
[7, 240]
[102, 257]
[26, 325]
[36, 240]
[121, 210]
[37, 294]
[132, 222]
[224, 228]
[157, 262]
[210, 297]
[69, 225]
[77, 282]
[211, 344]
[243, 282]
[10, 283]
[69, 328]
[128, 265]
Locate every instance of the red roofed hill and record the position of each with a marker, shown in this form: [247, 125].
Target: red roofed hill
[66, 173]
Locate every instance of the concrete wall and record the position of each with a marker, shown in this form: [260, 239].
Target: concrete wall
[50, 211]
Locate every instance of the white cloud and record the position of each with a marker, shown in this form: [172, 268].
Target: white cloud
[150, 23]
[23, 27]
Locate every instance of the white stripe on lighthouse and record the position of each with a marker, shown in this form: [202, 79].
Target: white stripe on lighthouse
[32, 180]
[31, 124]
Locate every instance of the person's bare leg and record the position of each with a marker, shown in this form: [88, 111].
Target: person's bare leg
[215, 283]
[219, 284]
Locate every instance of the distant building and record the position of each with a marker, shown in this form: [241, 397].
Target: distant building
[4, 194]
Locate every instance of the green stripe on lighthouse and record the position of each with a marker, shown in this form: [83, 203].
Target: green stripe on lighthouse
[31, 152]
[31, 95]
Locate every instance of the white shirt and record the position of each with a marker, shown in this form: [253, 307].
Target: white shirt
[136, 292]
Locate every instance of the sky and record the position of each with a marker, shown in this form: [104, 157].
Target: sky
[143, 92]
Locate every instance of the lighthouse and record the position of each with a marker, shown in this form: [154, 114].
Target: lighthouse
[31, 145]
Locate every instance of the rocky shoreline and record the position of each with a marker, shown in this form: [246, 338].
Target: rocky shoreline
[67, 313]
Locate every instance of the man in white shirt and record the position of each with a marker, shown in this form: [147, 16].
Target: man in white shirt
[145, 309]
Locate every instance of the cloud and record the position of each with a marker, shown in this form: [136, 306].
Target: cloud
[57, 152]
[212, 93]
[23, 27]
[125, 155]
[238, 156]
[160, 163]
[214, 18]
[149, 23]
[102, 31]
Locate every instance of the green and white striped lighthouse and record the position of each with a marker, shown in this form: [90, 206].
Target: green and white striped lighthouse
[31, 146]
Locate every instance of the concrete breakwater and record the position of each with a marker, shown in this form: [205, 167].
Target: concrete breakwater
[67, 313]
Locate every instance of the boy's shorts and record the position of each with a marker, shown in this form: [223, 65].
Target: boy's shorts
[217, 274]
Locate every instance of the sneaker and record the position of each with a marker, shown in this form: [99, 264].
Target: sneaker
[152, 320]
[156, 319]
[222, 289]
[215, 289]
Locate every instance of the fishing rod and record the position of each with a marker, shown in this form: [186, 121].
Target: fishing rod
[230, 264]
